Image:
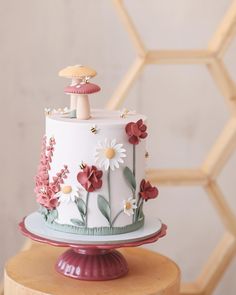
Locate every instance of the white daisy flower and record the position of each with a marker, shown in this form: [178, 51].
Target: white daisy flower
[67, 194]
[109, 154]
[129, 206]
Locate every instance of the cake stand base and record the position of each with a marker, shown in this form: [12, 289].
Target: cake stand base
[92, 264]
[90, 261]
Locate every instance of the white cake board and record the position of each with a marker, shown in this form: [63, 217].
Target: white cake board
[35, 224]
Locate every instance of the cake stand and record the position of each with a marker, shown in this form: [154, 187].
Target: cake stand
[94, 260]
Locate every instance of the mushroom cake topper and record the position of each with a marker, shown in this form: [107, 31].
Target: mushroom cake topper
[83, 88]
[81, 92]
[78, 72]
[79, 89]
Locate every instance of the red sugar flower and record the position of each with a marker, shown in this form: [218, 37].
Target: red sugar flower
[136, 131]
[147, 191]
[90, 178]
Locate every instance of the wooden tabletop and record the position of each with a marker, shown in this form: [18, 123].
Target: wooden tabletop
[32, 272]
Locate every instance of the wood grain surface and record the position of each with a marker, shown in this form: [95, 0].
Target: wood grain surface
[32, 272]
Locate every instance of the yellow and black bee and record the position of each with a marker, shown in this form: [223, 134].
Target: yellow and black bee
[94, 129]
[146, 155]
[47, 111]
[82, 165]
[124, 113]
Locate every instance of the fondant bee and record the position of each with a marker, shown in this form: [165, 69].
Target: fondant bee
[82, 165]
[47, 111]
[125, 112]
[146, 155]
[94, 129]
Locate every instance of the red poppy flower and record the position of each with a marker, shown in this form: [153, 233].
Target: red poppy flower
[147, 191]
[90, 178]
[136, 131]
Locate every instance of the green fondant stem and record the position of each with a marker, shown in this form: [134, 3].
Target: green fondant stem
[82, 216]
[139, 200]
[86, 213]
[109, 189]
[136, 213]
[134, 160]
[117, 215]
[139, 208]
[134, 172]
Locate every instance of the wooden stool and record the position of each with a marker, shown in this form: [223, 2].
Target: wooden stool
[32, 272]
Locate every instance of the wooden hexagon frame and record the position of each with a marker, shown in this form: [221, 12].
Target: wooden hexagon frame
[206, 174]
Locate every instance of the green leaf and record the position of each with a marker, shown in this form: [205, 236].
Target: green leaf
[140, 215]
[43, 210]
[77, 222]
[104, 207]
[81, 206]
[52, 215]
[129, 176]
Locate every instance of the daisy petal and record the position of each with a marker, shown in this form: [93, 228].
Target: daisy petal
[112, 165]
[119, 146]
[122, 150]
[106, 164]
[113, 142]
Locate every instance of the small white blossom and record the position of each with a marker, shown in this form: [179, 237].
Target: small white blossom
[67, 194]
[129, 206]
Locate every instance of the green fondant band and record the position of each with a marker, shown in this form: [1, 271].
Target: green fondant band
[96, 231]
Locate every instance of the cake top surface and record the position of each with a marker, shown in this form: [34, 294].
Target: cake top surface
[102, 116]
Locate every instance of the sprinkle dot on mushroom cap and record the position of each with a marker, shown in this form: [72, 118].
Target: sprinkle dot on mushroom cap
[83, 88]
[77, 72]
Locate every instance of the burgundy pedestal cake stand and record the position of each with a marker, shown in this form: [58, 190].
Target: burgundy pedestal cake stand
[93, 262]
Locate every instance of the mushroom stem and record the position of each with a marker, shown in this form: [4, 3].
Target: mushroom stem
[83, 107]
[73, 101]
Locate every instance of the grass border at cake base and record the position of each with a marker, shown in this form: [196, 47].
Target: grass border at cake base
[95, 231]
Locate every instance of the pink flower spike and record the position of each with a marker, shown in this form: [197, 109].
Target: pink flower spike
[47, 196]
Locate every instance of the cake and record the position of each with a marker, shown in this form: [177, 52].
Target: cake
[91, 175]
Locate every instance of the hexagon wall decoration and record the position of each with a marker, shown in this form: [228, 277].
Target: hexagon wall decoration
[205, 175]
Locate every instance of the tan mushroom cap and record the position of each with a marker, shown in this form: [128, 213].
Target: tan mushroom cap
[77, 72]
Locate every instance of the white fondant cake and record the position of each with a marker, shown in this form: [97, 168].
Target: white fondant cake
[91, 177]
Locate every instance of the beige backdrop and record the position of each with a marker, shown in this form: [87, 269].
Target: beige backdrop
[37, 38]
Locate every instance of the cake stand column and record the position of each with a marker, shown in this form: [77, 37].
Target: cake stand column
[92, 264]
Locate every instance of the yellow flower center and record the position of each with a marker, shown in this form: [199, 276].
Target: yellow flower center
[109, 153]
[67, 189]
[128, 205]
